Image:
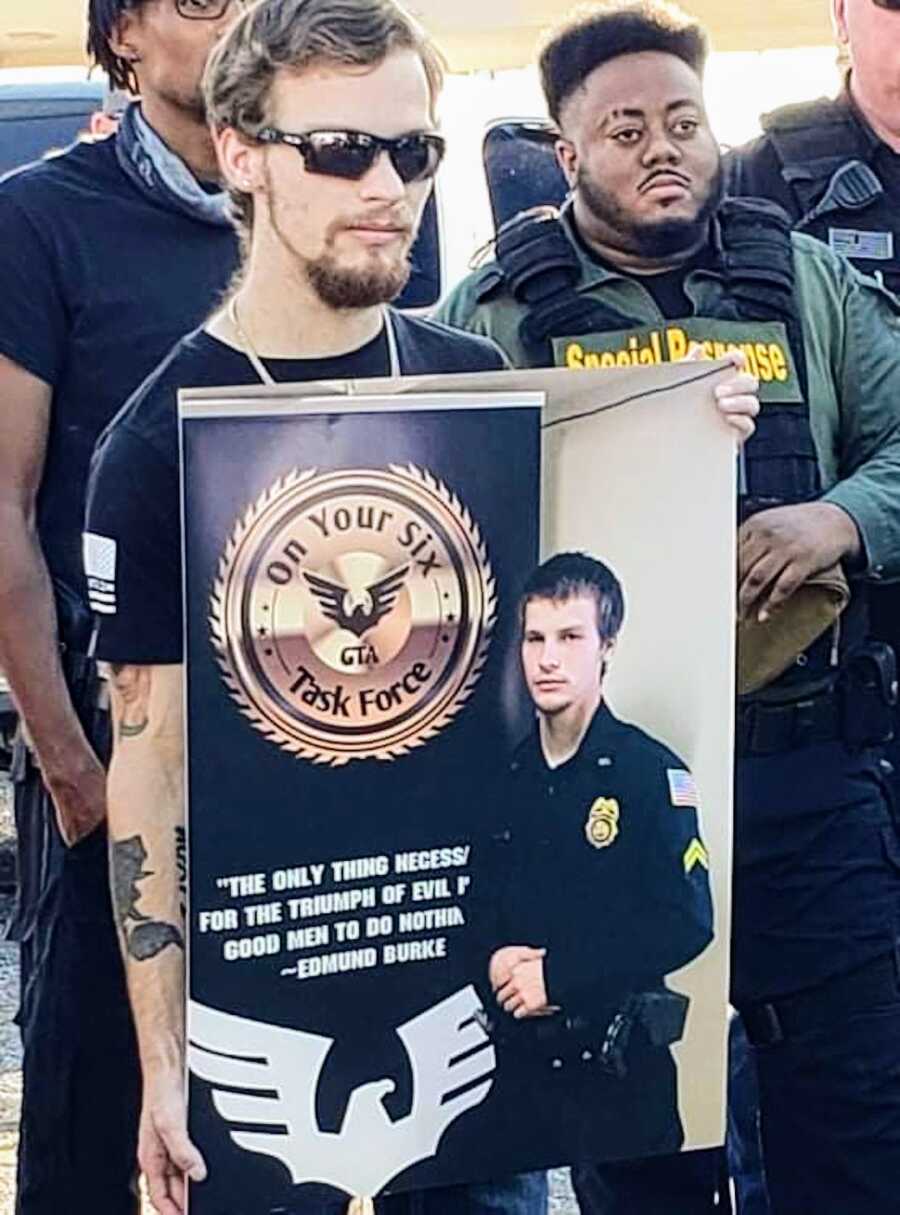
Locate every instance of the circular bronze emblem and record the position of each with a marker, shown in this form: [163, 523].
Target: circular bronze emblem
[352, 612]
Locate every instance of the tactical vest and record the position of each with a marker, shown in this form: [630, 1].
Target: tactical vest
[537, 262]
[830, 166]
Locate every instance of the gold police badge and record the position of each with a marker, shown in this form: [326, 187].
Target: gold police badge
[602, 824]
[352, 612]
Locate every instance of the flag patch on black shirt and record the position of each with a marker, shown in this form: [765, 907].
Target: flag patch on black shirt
[100, 571]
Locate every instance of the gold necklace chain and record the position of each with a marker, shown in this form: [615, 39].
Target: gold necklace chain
[262, 371]
[247, 346]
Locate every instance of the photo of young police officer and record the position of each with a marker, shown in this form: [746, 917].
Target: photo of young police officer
[604, 890]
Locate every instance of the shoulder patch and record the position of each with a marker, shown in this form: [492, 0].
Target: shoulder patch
[682, 787]
[100, 571]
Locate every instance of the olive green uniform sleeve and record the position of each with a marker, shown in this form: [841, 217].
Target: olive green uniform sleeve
[480, 304]
[460, 309]
[868, 384]
[851, 327]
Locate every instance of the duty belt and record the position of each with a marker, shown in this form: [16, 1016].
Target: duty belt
[602, 1040]
[877, 982]
[856, 704]
[767, 729]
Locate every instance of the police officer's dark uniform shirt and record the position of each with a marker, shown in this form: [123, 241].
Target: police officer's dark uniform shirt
[135, 515]
[98, 282]
[832, 133]
[605, 869]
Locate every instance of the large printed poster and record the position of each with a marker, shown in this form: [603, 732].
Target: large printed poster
[421, 951]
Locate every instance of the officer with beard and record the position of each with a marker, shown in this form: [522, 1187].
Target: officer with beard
[646, 238]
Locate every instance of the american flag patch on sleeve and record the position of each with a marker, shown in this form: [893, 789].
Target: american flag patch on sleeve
[100, 571]
[682, 787]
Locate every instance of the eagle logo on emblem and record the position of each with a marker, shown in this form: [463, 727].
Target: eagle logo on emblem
[357, 614]
[602, 826]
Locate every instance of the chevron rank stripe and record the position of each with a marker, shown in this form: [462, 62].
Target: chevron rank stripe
[695, 854]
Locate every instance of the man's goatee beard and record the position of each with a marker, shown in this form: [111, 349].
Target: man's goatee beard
[668, 237]
[356, 288]
[657, 240]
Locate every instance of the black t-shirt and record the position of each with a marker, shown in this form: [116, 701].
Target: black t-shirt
[98, 282]
[133, 525]
[667, 288]
[668, 291]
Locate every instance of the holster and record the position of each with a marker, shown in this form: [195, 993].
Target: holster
[868, 688]
[662, 1015]
[855, 703]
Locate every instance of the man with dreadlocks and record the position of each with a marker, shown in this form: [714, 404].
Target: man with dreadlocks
[110, 253]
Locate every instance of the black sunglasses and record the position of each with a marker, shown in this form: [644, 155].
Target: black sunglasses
[351, 154]
[202, 10]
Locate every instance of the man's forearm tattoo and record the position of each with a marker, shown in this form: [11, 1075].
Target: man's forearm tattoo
[181, 862]
[144, 937]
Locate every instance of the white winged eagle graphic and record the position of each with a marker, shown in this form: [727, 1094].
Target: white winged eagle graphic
[266, 1077]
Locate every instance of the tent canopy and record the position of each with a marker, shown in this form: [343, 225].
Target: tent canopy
[471, 34]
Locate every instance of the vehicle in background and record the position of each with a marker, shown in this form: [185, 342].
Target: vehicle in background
[521, 168]
[36, 118]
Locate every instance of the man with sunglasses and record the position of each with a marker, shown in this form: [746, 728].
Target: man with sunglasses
[110, 252]
[324, 114]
